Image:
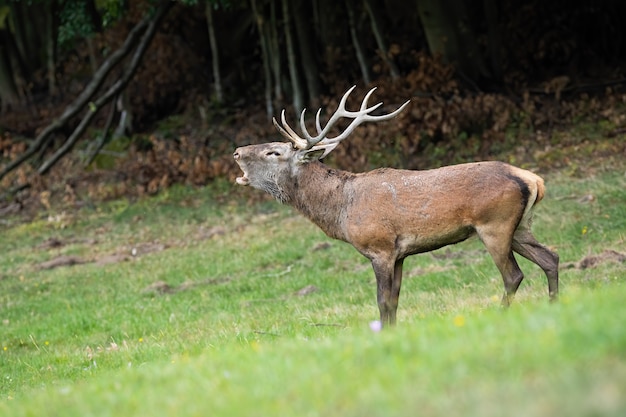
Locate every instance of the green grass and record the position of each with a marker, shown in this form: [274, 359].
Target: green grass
[232, 337]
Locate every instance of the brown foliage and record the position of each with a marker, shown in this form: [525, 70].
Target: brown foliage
[180, 161]
[440, 112]
[446, 121]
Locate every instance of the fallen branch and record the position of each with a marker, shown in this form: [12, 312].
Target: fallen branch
[104, 139]
[147, 26]
[112, 92]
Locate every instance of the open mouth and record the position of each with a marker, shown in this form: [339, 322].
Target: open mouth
[243, 180]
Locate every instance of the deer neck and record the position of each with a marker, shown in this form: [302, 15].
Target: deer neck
[318, 192]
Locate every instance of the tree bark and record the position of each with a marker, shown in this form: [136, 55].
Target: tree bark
[125, 124]
[96, 21]
[358, 47]
[215, 56]
[51, 45]
[106, 137]
[267, 72]
[16, 64]
[17, 18]
[298, 99]
[8, 88]
[307, 50]
[272, 35]
[377, 29]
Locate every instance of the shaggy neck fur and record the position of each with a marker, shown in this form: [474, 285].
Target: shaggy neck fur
[321, 194]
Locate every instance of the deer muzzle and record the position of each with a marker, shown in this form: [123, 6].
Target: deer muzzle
[244, 180]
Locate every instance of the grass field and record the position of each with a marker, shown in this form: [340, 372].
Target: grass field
[196, 303]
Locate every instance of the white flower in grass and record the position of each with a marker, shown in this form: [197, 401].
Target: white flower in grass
[376, 326]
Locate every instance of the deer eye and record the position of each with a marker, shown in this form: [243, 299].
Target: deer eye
[272, 153]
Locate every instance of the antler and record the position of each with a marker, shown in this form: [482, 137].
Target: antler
[363, 115]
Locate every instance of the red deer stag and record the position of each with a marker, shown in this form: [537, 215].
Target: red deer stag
[388, 214]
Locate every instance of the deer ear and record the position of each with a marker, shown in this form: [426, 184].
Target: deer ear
[316, 153]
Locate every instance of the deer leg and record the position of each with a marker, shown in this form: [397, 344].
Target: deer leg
[395, 288]
[498, 245]
[526, 245]
[512, 276]
[384, 271]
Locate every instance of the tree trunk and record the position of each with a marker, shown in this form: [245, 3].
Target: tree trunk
[96, 21]
[377, 29]
[307, 50]
[449, 33]
[323, 23]
[356, 42]
[8, 88]
[267, 72]
[272, 35]
[298, 99]
[16, 65]
[215, 56]
[438, 29]
[125, 124]
[106, 137]
[21, 39]
[50, 40]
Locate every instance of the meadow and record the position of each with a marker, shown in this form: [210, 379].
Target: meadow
[196, 302]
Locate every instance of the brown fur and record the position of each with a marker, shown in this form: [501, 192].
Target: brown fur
[389, 214]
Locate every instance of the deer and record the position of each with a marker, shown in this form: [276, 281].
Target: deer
[389, 214]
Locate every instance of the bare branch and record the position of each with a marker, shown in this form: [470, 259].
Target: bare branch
[112, 92]
[105, 133]
[83, 99]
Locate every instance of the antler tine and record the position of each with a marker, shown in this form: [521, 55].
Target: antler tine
[339, 113]
[318, 125]
[366, 98]
[297, 140]
[360, 116]
[309, 140]
[387, 116]
[321, 133]
[289, 133]
[363, 116]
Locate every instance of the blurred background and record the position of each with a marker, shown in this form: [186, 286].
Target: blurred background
[108, 98]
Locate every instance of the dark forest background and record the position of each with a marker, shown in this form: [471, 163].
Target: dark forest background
[102, 98]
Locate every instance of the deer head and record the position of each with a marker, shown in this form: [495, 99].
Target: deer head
[268, 166]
